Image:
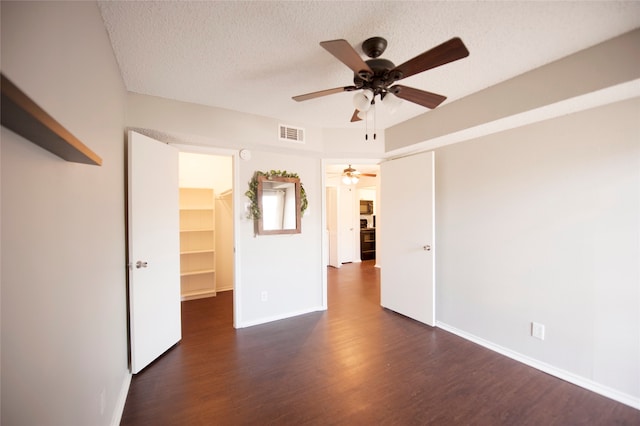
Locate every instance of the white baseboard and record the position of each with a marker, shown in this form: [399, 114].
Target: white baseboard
[224, 287]
[265, 320]
[122, 399]
[549, 369]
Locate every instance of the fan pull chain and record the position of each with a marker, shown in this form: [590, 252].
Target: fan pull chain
[366, 121]
[366, 126]
[374, 119]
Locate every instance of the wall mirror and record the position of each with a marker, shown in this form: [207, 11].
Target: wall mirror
[279, 204]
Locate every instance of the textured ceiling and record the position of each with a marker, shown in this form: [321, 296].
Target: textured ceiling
[254, 56]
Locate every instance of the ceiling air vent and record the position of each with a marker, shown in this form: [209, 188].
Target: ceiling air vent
[291, 134]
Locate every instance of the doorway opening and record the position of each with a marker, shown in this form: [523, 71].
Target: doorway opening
[347, 227]
[206, 225]
[351, 212]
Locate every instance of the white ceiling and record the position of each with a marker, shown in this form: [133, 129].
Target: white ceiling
[254, 56]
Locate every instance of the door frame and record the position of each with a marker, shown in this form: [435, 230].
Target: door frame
[234, 153]
[323, 181]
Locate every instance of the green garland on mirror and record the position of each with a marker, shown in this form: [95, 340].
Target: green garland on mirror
[252, 193]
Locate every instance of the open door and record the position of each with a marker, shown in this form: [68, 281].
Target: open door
[332, 226]
[154, 249]
[346, 224]
[406, 236]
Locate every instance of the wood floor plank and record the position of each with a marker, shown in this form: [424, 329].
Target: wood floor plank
[354, 364]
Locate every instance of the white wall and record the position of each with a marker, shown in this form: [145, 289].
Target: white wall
[288, 267]
[351, 143]
[220, 127]
[64, 336]
[542, 223]
[206, 171]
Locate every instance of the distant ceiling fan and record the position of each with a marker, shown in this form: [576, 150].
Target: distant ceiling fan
[377, 76]
[352, 176]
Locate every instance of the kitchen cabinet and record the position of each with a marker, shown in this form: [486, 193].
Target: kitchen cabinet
[367, 244]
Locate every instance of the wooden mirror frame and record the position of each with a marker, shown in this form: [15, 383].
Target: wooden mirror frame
[259, 222]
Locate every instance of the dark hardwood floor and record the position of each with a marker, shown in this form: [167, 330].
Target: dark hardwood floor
[354, 364]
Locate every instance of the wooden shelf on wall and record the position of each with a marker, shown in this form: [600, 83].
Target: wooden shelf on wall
[24, 117]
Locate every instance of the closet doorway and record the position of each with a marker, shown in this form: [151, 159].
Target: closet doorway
[206, 225]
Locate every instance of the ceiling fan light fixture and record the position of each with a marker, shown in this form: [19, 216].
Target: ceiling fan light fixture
[350, 180]
[350, 176]
[362, 115]
[362, 100]
[391, 102]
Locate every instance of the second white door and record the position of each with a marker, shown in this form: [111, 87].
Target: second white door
[346, 225]
[154, 247]
[406, 231]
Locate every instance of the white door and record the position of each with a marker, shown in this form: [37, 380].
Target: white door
[154, 249]
[346, 224]
[406, 237]
[332, 225]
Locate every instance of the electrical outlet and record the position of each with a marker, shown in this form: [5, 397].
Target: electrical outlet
[537, 330]
[264, 296]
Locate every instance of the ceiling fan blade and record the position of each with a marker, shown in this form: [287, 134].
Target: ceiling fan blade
[320, 93]
[342, 50]
[448, 51]
[355, 117]
[420, 97]
[368, 174]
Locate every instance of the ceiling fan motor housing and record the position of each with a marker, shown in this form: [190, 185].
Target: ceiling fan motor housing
[381, 78]
[374, 46]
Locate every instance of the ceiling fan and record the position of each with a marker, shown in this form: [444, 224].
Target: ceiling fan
[352, 176]
[377, 76]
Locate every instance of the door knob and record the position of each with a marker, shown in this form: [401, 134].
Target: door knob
[426, 248]
[141, 264]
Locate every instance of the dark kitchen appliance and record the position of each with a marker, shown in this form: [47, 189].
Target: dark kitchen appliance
[366, 207]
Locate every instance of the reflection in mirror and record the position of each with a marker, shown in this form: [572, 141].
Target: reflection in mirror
[279, 203]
